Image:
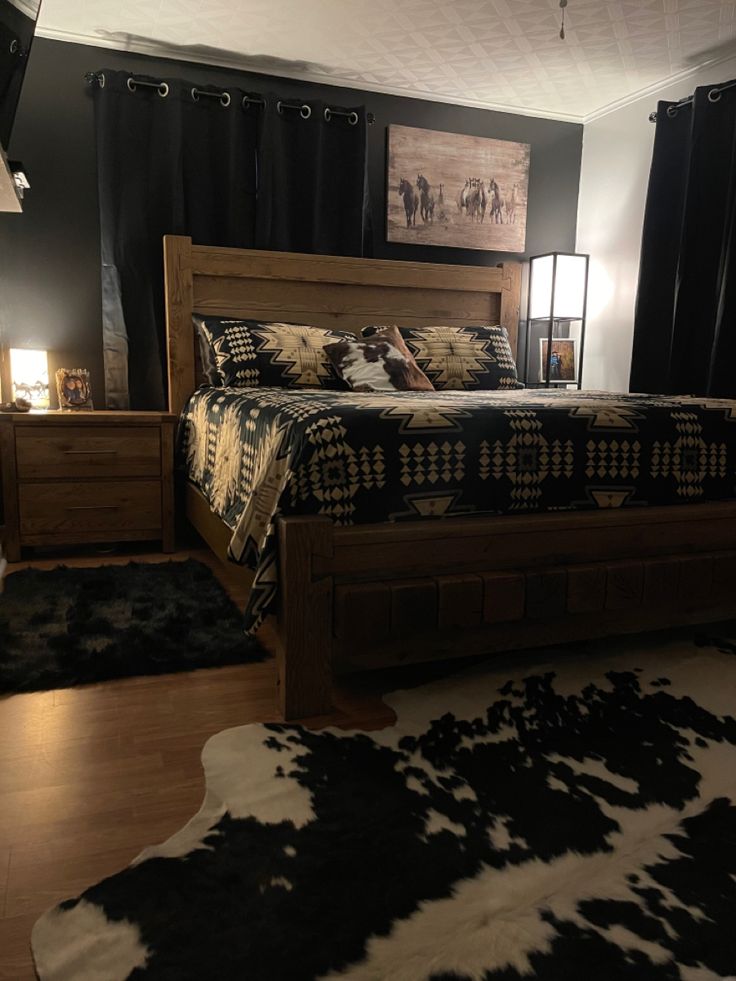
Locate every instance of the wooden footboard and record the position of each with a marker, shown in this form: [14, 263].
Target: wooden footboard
[385, 594]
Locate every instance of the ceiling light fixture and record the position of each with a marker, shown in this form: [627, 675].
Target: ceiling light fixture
[563, 5]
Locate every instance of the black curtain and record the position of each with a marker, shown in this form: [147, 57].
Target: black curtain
[685, 324]
[168, 163]
[174, 160]
[312, 179]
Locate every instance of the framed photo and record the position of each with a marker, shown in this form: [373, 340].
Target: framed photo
[563, 368]
[467, 192]
[73, 388]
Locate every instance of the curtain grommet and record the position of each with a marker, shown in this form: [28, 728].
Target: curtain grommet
[14, 45]
[305, 111]
[225, 100]
[161, 87]
[714, 95]
[352, 116]
[101, 80]
[194, 94]
[248, 101]
[672, 111]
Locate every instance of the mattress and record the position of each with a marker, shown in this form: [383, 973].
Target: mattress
[361, 458]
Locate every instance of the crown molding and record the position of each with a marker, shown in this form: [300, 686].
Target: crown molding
[155, 49]
[655, 87]
[160, 50]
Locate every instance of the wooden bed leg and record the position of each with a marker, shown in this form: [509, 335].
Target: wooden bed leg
[305, 618]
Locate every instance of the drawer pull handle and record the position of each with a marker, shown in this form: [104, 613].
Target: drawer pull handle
[91, 452]
[95, 507]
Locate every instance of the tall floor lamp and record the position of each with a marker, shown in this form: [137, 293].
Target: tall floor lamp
[558, 300]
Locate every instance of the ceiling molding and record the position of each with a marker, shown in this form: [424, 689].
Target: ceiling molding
[160, 50]
[655, 88]
[496, 55]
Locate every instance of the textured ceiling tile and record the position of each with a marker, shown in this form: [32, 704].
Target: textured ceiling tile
[494, 52]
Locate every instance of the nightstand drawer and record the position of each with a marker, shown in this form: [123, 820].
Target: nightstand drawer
[79, 510]
[77, 452]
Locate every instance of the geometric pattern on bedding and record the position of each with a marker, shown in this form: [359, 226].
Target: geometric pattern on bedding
[365, 458]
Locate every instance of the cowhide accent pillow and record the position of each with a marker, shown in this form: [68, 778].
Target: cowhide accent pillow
[250, 354]
[465, 358]
[379, 363]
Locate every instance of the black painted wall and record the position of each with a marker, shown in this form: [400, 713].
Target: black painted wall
[49, 255]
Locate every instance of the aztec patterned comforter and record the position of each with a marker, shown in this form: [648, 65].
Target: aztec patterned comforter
[364, 458]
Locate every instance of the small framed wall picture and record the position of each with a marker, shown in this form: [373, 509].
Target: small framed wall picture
[563, 361]
[73, 388]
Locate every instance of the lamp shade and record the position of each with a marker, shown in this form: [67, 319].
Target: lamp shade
[558, 286]
[29, 374]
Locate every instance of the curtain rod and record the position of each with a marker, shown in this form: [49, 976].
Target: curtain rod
[713, 96]
[162, 87]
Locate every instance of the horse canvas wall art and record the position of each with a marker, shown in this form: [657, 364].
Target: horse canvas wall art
[467, 192]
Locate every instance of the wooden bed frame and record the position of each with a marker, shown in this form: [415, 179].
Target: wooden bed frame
[383, 594]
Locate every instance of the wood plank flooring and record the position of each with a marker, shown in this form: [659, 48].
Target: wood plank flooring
[90, 776]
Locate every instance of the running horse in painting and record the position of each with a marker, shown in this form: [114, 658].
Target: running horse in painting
[477, 200]
[511, 205]
[411, 201]
[482, 200]
[426, 198]
[497, 203]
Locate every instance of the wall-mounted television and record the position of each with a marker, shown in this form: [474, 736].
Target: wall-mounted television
[17, 26]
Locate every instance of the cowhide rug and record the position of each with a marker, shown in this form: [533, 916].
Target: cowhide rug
[569, 818]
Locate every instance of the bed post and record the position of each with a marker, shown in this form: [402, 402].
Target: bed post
[305, 617]
[179, 326]
[511, 302]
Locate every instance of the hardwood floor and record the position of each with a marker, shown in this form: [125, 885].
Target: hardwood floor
[90, 776]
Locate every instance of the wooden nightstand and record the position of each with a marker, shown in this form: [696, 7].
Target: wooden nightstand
[76, 477]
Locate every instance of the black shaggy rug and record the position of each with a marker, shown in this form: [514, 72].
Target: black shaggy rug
[550, 817]
[78, 626]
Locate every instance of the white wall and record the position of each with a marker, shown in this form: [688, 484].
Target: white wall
[617, 153]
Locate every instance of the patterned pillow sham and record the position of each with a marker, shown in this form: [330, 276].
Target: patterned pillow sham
[465, 358]
[250, 354]
[379, 363]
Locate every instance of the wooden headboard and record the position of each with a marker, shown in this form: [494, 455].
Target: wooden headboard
[323, 291]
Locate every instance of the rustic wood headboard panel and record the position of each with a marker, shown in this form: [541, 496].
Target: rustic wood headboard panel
[323, 291]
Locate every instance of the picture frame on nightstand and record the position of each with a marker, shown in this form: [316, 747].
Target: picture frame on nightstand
[561, 362]
[73, 389]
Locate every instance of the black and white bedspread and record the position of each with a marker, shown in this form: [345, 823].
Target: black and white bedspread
[361, 458]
